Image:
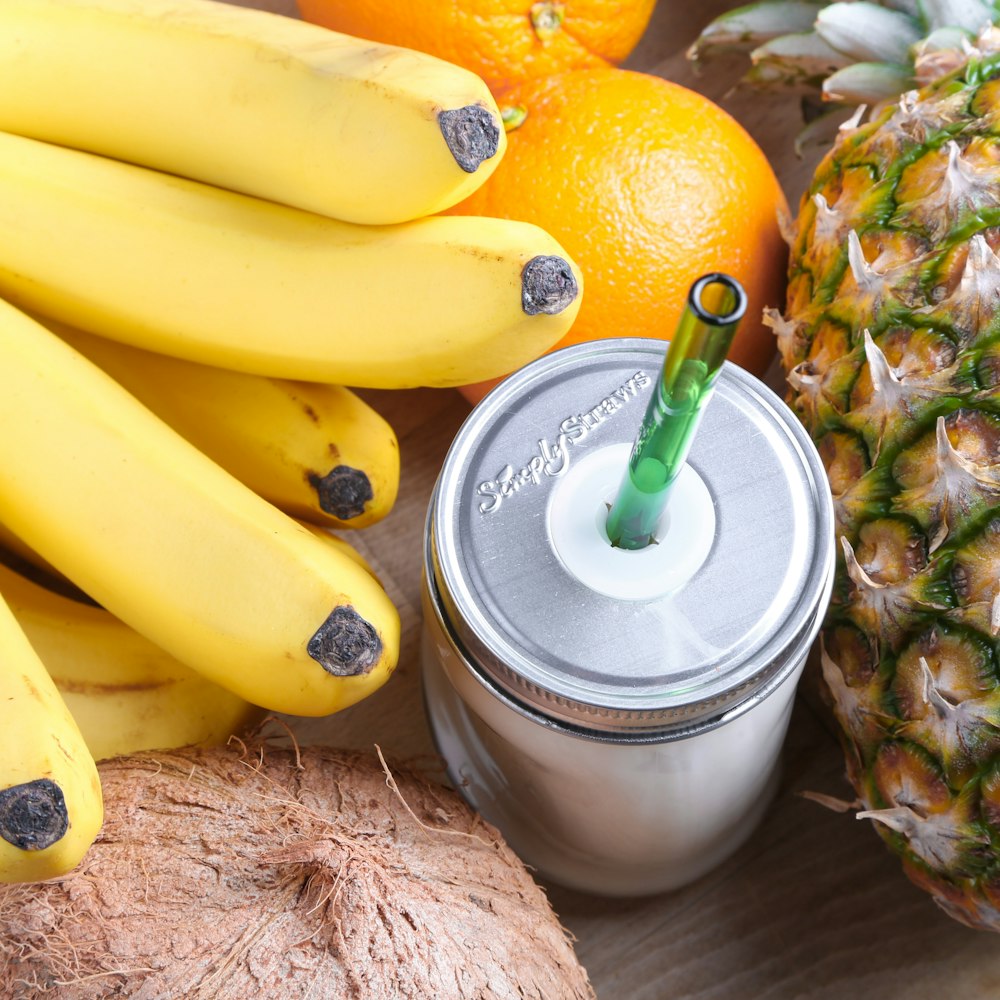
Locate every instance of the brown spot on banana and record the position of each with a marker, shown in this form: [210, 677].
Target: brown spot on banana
[548, 285]
[99, 689]
[471, 133]
[63, 749]
[343, 491]
[32, 690]
[345, 645]
[33, 815]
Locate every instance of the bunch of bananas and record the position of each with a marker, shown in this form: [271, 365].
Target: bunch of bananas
[222, 219]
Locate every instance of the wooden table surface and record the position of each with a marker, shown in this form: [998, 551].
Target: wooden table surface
[813, 906]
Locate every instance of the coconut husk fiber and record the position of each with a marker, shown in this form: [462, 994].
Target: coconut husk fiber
[252, 873]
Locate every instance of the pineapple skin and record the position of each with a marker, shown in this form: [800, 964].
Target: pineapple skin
[890, 342]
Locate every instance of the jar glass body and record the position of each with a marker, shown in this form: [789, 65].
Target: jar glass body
[611, 815]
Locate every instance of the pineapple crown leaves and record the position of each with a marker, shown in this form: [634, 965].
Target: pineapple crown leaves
[849, 53]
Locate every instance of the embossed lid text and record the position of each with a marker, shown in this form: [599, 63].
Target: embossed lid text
[552, 459]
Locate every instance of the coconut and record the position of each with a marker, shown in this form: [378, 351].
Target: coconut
[264, 872]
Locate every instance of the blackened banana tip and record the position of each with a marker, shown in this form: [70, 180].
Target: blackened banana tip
[345, 645]
[343, 491]
[33, 815]
[472, 135]
[548, 285]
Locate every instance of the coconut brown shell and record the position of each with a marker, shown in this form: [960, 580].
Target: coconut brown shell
[276, 873]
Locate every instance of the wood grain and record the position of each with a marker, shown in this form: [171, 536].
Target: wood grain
[813, 906]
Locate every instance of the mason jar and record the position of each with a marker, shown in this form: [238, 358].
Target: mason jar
[618, 714]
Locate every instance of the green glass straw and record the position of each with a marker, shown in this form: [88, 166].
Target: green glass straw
[715, 306]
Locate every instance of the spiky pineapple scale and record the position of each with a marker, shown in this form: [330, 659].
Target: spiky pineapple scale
[891, 344]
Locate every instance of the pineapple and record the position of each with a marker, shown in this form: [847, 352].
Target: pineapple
[848, 53]
[890, 340]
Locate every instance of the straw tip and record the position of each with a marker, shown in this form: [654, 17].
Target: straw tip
[718, 299]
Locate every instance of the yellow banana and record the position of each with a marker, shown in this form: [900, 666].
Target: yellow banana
[317, 451]
[251, 101]
[19, 557]
[190, 270]
[14, 551]
[170, 543]
[51, 807]
[341, 545]
[124, 693]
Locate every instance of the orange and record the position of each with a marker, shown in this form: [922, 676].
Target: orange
[500, 40]
[647, 185]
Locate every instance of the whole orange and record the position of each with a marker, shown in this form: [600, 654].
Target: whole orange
[648, 186]
[500, 40]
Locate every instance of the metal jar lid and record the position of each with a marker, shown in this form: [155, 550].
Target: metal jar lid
[562, 647]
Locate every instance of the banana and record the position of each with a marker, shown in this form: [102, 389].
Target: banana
[124, 693]
[187, 269]
[251, 101]
[173, 545]
[317, 451]
[14, 551]
[341, 545]
[20, 558]
[51, 807]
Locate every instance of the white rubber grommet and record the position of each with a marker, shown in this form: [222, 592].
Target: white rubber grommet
[577, 518]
